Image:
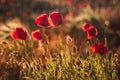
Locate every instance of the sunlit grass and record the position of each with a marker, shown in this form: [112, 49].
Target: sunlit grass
[63, 53]
[40, 63]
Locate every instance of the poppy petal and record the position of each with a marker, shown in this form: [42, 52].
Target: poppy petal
[55, 18]
[36, 35]
[42, 20]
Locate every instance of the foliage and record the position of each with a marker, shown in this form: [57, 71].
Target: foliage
[36, 63]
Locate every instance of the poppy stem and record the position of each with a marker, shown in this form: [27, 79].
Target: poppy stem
[105, 35]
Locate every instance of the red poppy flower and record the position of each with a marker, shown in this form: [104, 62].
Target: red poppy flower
[14, 35]
[19, 33]
[42, 20]
[99, 48]
[68, 2]
[92, 32]
[24, 13]
[86, 26]
[1, 19]
[36, 35]
[68, 16]
[55, 18]
[2, 1]
[9, 13]
[10, 2]
[84, 5]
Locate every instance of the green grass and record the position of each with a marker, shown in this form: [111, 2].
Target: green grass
[64, 63]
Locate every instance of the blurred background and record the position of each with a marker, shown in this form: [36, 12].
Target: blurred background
[104, 14]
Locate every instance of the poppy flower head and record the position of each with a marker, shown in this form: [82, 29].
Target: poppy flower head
[92, 32]
[86, 26]
[68, 16]
[22, 34]
[2, 1]
[99, 48]
[1, 18]
[19, 33]
[24, 13]
[14, 35]
[68, 2]
[55, 18]
[10, 2]
[9, 13]
[42, 20]
[82, 5]
[36, 35]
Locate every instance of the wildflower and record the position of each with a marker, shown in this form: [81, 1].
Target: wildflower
[1, 18]
[42, 20]
[92, 32]
[84, 5]
[36, 35]
[79, 5]
[86, 26]
[68, 2]
[55, 18]
[19, 33]
[99, 48]
[24, 13]
[10, 2]
[9, 13]
[2, 1]
[68, 16]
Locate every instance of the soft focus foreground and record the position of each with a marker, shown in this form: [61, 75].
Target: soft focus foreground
[59, 40]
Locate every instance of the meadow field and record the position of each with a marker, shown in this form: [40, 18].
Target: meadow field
[59, 40]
